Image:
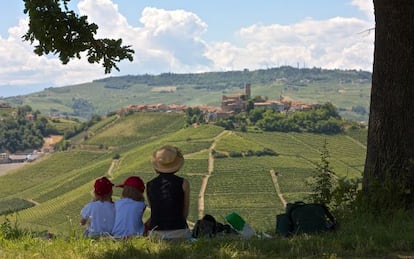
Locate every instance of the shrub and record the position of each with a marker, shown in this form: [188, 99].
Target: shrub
[269, 152]
[235, 154]
[324, 179]
[9, 231]
[249, 153]
[220, 155]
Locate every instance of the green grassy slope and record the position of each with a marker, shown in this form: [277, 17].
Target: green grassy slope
[61, 183]
[345, 89]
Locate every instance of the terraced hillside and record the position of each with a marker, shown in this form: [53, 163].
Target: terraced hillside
[54, 190]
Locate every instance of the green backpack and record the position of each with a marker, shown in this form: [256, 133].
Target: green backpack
[306, 218]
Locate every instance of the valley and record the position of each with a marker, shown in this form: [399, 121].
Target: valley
[52, 191]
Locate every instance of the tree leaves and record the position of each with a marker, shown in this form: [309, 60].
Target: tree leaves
[64, 33]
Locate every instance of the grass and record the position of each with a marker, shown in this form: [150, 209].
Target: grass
[62, 124]
[137, 127]
[56, 164]
[62, 183]
[360, 235]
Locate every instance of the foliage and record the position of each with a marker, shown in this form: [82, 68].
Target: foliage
[20, 132]
[346, 194]
[62, 145]
[324, 180]
[65, 33]
[10, 231]
[225, 123]
[341, 193]
[26, 130]
[220, 155]
[390, 193]
[266, 152]
[322, 119]
[82, 108]
[235, 154]
[194, 115]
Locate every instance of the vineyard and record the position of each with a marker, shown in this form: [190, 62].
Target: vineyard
[50, 193]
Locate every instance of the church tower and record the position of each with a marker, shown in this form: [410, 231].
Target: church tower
[247, 89]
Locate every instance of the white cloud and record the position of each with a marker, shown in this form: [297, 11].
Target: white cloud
[172, 41]
[106, 15]
[367, 7]
[24, 67]
[333, 43]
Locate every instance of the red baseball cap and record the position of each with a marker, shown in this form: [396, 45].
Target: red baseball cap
[135, 182]
[103, 186]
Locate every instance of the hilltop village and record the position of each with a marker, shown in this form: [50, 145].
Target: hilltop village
[230, 105]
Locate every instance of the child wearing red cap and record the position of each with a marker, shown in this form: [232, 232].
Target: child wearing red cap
[99, 215]
[130, 209]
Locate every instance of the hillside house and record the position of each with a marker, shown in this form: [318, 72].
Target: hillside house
[293, 105]
[271, 104]
[4, 158]
[176, 107]
[160, 107]
[30, 116]
[17, 158]
[164, 89]
[5, 105]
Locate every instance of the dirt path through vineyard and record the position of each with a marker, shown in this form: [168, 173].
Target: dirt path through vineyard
[209, 173]
[273, 174]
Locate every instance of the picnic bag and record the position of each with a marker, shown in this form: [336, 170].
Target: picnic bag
[301, 217]
[208, 227]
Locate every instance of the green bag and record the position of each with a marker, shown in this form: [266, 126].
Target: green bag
[306, 218]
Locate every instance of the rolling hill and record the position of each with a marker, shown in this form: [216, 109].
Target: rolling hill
[54, 189]
[348, 90]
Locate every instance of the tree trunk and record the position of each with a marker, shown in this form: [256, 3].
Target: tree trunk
[389, 164]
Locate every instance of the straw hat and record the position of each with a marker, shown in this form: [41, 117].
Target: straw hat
[167, 159]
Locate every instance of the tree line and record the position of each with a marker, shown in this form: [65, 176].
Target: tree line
[19, 132]
[223, 80]
[25, 129]
[321, 119]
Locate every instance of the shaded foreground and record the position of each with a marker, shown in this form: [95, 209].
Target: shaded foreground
[362, 236]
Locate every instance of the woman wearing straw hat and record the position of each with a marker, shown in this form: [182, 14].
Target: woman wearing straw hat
[168, 195]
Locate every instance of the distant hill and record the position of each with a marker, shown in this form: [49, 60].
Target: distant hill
[51, 192]
[348, 90]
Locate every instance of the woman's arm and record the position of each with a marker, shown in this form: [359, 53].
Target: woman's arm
[186, 189]
[148, 221]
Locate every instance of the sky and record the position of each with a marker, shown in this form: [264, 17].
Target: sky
[193, 36]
